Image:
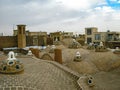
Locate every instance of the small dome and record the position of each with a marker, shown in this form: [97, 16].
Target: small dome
[101, 43]
[11, 65]
[78, 54]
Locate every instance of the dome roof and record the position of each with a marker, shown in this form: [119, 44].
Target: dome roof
[11, 65]
[40, 75]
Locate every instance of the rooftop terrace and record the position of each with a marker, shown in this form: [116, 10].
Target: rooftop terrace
[39, 75]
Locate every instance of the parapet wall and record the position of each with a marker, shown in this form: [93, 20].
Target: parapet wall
[8, 41]
[12, 41]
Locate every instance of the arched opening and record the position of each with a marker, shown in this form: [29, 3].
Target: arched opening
[4, 68]
[17, 67]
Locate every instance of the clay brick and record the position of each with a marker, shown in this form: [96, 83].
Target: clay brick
[35, 52]
[58, 55]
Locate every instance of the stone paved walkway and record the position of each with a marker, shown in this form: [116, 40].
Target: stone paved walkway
[39, 75]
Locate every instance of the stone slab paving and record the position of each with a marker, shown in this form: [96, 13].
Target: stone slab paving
[39, 75]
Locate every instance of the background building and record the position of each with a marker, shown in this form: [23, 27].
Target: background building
[89, 34]
[67, 34]
[56, 35]
[113, 39]
[22, 38]
[109, 39]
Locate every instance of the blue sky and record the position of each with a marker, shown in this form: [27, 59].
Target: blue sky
[114, 3]
[59, 15]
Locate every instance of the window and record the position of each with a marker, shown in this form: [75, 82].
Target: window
[35, 40]
[110, 36]
[54, 38]
[89, 31]
[97, 37]
[89, 40]
[58, 38]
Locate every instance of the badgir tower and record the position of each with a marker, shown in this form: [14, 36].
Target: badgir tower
[22, 38]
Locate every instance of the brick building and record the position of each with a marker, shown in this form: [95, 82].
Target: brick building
[22, 38]
[110, 39]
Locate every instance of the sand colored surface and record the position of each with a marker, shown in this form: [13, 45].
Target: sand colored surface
[39, 75]
[92, 62]
[103, 66]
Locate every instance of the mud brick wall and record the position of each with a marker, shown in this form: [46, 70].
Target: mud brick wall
[58, 56]
[12, 41]
[35, 52]
[40, 41]
[8, 41]
[29, 40]
[49, 41]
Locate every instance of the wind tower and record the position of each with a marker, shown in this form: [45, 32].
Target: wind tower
[21, 36]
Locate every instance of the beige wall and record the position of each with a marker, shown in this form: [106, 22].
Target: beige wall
[115, 36]
[102, 35]
[56, 35]
[67, 34]
[93, 30]
[37, 33]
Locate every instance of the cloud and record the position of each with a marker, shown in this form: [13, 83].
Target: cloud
[79, 4]
[53, 15]
[118, 1]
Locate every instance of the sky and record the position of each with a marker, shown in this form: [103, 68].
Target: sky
[59, 15]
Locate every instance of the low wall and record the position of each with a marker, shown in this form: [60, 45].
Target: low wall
[8, 41]
[16, 51]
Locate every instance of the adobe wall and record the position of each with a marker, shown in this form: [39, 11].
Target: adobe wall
[29, 40]
[11, 41]
[8, 41]
[40, 41]
[49, 41]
